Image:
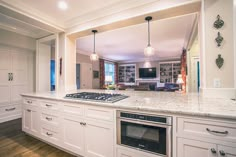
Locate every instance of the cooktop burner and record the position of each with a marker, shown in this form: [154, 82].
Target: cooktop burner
[101, 97]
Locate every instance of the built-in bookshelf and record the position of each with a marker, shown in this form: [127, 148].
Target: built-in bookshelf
[169, 71]
[127, 73]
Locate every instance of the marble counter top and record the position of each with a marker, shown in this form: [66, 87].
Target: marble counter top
[161, 102]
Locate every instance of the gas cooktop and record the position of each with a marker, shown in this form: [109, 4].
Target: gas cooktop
[100, 97]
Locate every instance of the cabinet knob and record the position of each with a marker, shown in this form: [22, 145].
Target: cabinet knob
[48, 105]
[222, 153]
[49, 119]
[49, 134]
[28, 110]
[213, 150]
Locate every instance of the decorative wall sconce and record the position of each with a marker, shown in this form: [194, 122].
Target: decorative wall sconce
[219, 61]
[218, 23]
[219, 39]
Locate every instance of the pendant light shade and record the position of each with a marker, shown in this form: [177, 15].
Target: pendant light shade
[94, 56]
[149, 51]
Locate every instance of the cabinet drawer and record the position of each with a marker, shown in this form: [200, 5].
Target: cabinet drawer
[10, 109]
[50, 134]
[99, 113]
[73, 109]
[50, 119]
[49, 105]
[206, 128]
[29, 101]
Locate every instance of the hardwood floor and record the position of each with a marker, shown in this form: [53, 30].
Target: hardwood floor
[15, 143]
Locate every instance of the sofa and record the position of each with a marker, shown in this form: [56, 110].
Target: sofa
[169, 87]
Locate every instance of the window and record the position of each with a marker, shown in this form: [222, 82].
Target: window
[109, 73]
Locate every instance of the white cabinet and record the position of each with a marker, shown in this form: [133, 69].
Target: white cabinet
[98, 139]
[88, 131]
[15, 78]
[73, 134]
[194, 148]
[226, 151]
[200, 138]
[30, 120]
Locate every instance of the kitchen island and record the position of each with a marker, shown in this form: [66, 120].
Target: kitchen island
[204, 125]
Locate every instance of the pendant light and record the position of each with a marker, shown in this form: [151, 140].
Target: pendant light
[148, 51]
[94, 56]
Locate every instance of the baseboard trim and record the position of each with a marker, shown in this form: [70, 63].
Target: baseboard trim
[228, 93]
[9, 118]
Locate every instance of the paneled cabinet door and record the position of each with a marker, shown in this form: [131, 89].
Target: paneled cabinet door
[98, 139]
[19, 76]
[31, 121]
[193, 148]
[225, 151]
[5, 66]
[26, 120]
[73, 134]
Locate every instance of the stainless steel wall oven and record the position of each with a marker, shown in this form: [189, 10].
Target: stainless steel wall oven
[150, 133]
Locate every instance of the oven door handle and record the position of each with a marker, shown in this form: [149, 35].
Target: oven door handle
[144, 123]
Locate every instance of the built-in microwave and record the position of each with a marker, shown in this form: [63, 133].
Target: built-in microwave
[149, 133]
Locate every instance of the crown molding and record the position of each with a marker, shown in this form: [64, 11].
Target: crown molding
[106, 11]
[131, 13]
[25, 10]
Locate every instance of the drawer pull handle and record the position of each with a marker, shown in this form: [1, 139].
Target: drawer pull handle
[81, 123]
[48, 105]
[213, 150]
[29, 102]
[49, 119]
[217, 132]
[10, 109]
[28, 110]
[49, 134]
[222, 153]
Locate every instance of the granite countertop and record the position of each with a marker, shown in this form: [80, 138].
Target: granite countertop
[164, 102]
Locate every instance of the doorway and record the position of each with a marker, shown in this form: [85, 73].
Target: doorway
[195, 74]
[46, 64]
[78, 76]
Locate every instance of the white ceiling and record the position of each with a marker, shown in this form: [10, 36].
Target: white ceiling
[78, 10]
[17, 26]
[168, 38]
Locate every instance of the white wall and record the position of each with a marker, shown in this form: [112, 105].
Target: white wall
[226, 74]
[16, 40]
[210, 51]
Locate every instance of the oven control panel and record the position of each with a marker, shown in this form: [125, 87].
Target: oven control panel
[144, 117]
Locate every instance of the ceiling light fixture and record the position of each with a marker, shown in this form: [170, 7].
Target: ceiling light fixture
[148, 51]
[94, 56]
[62, 5]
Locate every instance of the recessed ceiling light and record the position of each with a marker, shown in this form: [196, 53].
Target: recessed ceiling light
[62, 5]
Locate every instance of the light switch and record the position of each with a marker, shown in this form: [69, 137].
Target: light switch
[217, 83]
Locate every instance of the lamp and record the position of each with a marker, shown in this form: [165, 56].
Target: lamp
[108, 79]
[180, 81]
[148, 51]
[94, 56]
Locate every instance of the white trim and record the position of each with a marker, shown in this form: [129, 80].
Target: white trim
[34, 14]
[203, 47]
[234, 26]
[49, 38]
[226, 93]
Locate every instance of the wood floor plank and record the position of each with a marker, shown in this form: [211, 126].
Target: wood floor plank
[15, 143]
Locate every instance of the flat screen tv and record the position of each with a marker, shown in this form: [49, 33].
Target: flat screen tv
[147, 72]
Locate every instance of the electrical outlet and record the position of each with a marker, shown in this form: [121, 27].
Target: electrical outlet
[217, 83]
